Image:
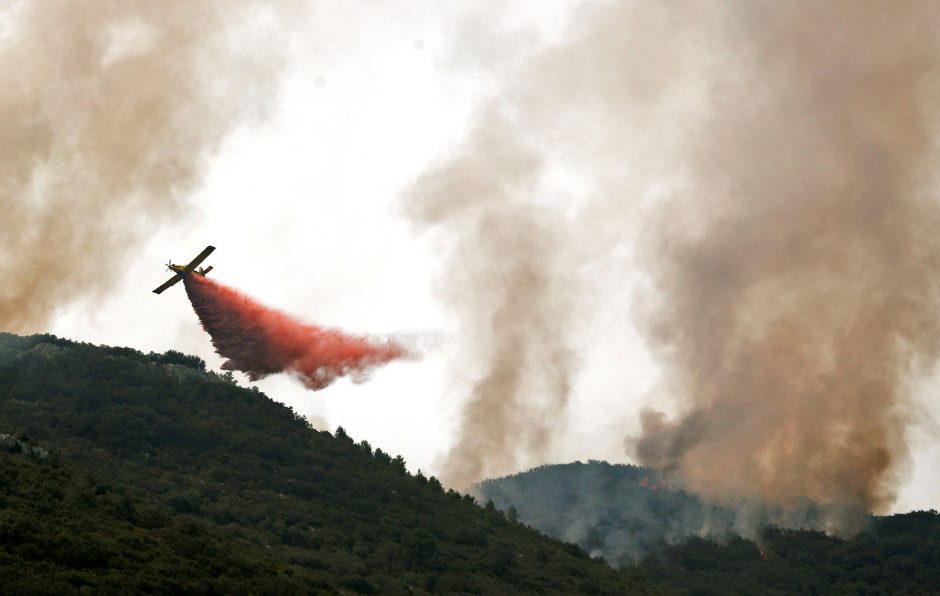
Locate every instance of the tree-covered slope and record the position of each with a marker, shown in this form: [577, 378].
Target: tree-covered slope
[616, 511]
[161, 456]
[61, 531]
[629, 515]
[899, 555]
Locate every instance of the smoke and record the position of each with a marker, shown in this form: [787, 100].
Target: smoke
[503, 277]
[535, 196]
[770, 164]
[798, 270]
[109, 112]
[260, 341]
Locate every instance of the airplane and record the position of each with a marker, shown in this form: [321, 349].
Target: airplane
[182, 271]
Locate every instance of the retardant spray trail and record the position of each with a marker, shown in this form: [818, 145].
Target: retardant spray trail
[261, 341]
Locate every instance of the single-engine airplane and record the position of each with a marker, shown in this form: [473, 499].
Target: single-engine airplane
[184, 270]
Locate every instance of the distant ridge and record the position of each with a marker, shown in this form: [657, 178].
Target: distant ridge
[628, 515]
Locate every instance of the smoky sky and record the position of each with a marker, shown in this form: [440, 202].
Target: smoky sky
[517, 247]
[765, 168]
[109, 113]
[770, 166]
[797, 269]
[501, 278]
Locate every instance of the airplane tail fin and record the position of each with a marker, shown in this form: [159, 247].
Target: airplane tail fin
[207, 270]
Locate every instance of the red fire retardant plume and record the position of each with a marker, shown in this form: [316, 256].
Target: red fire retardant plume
[260, 341]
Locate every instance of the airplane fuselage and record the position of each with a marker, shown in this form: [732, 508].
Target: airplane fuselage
[181, 270]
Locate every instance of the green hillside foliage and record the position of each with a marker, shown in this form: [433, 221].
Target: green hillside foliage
[163, 477]
[900, 555]
[61, 532]
[627, 510]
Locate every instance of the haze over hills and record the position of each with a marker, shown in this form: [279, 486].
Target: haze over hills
[681, 542]
[164, 477]
[622, 512]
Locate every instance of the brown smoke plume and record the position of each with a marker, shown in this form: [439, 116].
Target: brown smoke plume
[108, 112]
[516, 271]
[799, 272]
[794, 264]
[503, 278]
[261, 341]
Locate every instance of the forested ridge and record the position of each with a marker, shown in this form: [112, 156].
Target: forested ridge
[649, 529]
[900, 554]
[128, 472]
[162, 477]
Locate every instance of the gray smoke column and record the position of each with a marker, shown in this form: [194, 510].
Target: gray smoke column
[109, 111]
[504, 278]
[770, 166]
[797, 271]
[520, 244]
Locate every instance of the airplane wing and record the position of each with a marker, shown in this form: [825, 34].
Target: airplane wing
[202, 257]
[168, 283]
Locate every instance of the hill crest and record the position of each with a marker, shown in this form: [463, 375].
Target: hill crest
[318, 511]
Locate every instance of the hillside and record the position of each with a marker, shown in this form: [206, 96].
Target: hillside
[899, 555]
[628, 515]
[164, 477]
[616, 511]
[61, 531]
